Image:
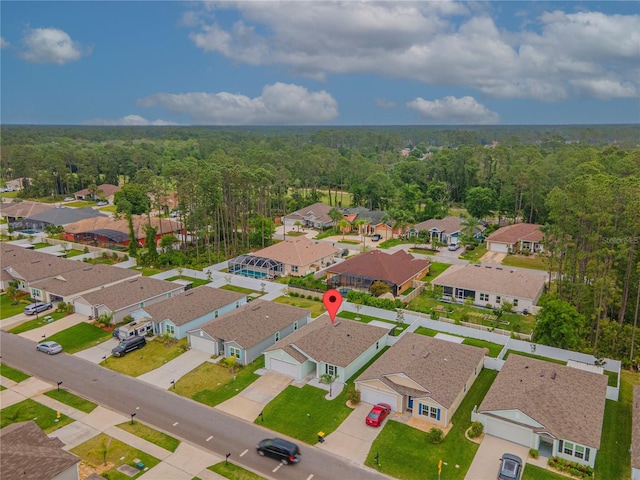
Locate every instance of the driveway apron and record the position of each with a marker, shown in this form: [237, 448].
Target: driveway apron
[486, 462]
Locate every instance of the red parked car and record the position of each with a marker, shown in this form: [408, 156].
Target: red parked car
[378, 413]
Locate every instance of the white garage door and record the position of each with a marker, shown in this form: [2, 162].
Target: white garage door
[374, 396]
[283, 367]
[498, 247]
[202, 344]
[508, 431]
[83, 309]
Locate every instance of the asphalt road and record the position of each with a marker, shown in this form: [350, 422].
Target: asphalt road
[176, 415]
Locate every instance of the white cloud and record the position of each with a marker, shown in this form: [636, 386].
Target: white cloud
[4, 43]
[464, 110]
[279, 104]
[550, 58]
[51, 45]
[129, 121]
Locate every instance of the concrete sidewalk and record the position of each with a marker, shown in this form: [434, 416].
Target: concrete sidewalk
[175, 369]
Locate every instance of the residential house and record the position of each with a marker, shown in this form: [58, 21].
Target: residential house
[426, 376]
[492, 286]
[398, 270]
[246, 332]
[58, 216]
[26, 452]
[374, 222]
[447, 230]
[519, 237]
[297, 256]
[635, 434]
[176, 315]
[555, 409]
[14, 211]
[322, 347]
[106, 190]
[109, 232]
[17, 184]
[121, 299]
[314, 216]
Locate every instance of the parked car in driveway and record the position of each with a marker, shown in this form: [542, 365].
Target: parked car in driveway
[280, 449]
[128, 345]
[37, 308]
[377, 414]
[376, 238]
[69, 199]
[510, 467]
[453, 247]
[50, 348]
[102, 204]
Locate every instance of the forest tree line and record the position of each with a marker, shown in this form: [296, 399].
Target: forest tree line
[232, 184]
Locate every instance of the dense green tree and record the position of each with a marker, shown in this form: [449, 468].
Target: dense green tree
[480, 201]
[558, 324]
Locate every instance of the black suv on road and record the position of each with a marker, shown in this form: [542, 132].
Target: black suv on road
[279, 449]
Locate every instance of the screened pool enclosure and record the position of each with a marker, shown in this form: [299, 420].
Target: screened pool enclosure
[256, 267]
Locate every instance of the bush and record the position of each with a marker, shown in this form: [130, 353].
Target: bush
[435, 436]
[353, 395]
[572, 468]
[476, 430]
[533, 453]
[86, 249]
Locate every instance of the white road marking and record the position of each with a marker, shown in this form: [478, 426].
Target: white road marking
[244, 453]
[310, 477]
[210, 437]
[137, 408]
[277, 468]
[175, 424]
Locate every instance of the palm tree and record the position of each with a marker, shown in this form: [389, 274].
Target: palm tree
[344, 226]
[469, 224]
[336, 216]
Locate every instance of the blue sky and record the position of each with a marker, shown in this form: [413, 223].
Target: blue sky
[320, 63]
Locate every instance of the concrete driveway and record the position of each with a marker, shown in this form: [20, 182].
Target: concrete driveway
[249, 403]
[175, 369]
[486, 463]
[69, 321]
[493, 257]
[353, 438]
[98, 353]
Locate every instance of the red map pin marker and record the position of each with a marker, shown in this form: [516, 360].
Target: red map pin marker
[332, 301]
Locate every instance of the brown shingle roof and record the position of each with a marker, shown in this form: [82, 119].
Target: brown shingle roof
[85, 278]
[511, 234]
[122, 225]
[497, 280]
[253, 322]
[27, 453]
[298, 251]
[439, 366]
[635, 428]
[23, 209]
[191, 304]
[447, 225]
[32, 265]
[319, 210]
[338, 344]
[107, 188]
[397, 268]
[568, 402]
[130, 292]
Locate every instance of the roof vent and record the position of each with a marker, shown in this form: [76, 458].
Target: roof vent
[187, 294]
[427, 354]
[542, 373]
[553, 375]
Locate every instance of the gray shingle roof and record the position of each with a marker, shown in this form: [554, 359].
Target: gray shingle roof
[130, 292]
[85, 278]
[568, 402]
[27, 453]
[439, 366]
[319, 210]
[192, 304]
[447, 225]
[253, 322]
[498, 280]
[33, 265]
[65, 215]
[338, 344]
[397, 268]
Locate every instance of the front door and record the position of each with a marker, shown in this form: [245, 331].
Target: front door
[410, 403]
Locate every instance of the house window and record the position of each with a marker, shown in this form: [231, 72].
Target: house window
[295, 325]
[35, 293]
[460, 293]
[170, 329]
[515, 302]
[294, 268]
[237, 304]
[216, 314]
[464, 389]
[331, 369]
[568, 448]
[579, 452]
[429, 411]
[498, 299]
[235, 352]
[141, 304]
[276, 337]
[377, 345]
[484, 297]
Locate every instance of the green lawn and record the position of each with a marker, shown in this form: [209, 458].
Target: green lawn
[36, 322]
[72, 400]
[392, 242]
[79, 337]
[234, 472]
[28, 409]
[196, 282]
[475, 254]
[613, 460]
[151, 435]
[363, 318]
[153, 355]
[8, 310]
[314, 306]
[303, 412]
[494, 348]
[531, 472]
[212, 384]
[531, 355]
[79, 204]
[535, 261]
[426, 331]
[73, 253]
[423, 251]
[101, 447]
[234, 288]
[405, 452]
[435, 269]
[12, 374]
[613, 378]
[148, 271]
